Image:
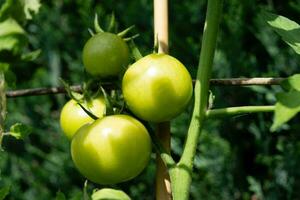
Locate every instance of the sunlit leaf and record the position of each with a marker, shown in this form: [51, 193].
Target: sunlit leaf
[31, 6]
[12, 36]
[287, 106]
[286, 28]
[291, 83]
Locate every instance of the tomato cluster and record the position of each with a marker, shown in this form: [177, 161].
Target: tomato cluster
[115, 148]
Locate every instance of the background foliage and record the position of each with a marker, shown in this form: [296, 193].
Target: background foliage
[238, 158]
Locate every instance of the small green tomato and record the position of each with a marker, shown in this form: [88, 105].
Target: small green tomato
[72, 116]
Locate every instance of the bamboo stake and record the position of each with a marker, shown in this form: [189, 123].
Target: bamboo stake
[163, 185]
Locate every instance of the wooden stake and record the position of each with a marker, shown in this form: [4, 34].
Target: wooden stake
[163, 185]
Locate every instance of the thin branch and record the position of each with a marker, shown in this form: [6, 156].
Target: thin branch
[231, 111]
[213, 82]
[246, 81]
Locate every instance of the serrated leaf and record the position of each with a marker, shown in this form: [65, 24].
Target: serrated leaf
[31, 6]
[4, 192]
[31, 55]
[20, 131]
[291, 83]
[288, 30]
[60, 196]
[110, 194]
[287, 106]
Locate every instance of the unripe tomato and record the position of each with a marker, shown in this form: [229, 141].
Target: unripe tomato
[72, 116]
[157, 87]
[105, 54]
[112, 149]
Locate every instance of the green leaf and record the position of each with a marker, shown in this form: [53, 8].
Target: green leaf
[12, 8]
[288, 30]
[60, 196]
[110, 194]
[291, 83]
[4, 67]
[20, 131]
[31, 6]
[20, 9]
[287, 106]
[4, 192]
[10, 27]
[31, 55]
[12, 36]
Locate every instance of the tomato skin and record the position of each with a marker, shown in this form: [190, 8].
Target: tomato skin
[105, 54]
[157, 87]
[112, 149]
[72, 116]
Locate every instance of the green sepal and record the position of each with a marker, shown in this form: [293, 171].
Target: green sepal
[108, 104]
[135, 50]
[112, 23]
[97, 27]
[126, 31]
[88, 112]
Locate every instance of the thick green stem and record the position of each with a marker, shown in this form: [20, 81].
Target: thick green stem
[181, 174]
[230, 111]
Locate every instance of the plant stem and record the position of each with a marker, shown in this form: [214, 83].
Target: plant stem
[181, 175]
[230, 111]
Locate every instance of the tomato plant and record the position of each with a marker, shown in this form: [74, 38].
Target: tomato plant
[112, 149]
[157, 87]
[105, 54]
[72, 116]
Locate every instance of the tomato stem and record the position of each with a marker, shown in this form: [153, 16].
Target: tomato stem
[230, 111]
[181, 175]
[160, 149]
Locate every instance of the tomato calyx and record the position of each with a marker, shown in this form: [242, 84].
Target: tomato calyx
[112, 28]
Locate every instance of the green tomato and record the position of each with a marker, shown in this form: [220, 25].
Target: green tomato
[105, 55]
[72, 116]
[157, 87]
[112, 149]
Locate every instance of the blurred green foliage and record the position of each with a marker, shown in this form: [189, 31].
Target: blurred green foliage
[237, 158]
